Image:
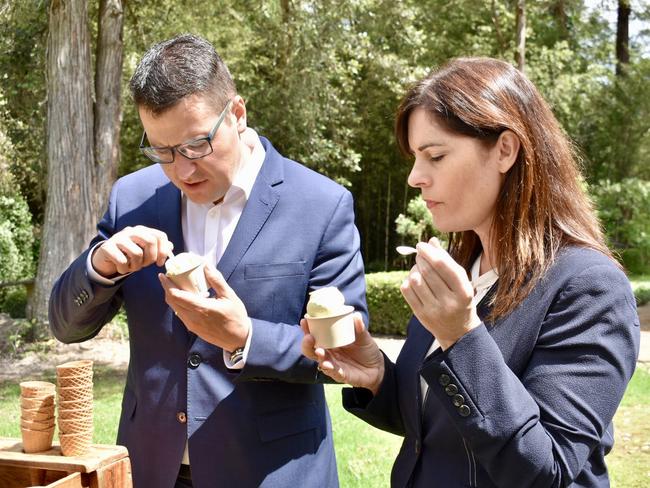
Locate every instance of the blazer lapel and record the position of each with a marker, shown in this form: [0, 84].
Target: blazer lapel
[168, 205]
[261, 203]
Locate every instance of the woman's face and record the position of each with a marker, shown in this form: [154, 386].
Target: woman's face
[460, 177]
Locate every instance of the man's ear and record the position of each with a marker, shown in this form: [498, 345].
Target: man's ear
[507, 148]
[239, 111]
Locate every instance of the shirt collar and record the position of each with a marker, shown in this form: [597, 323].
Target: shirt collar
[250, 165]
[244, 179]
[486, 280]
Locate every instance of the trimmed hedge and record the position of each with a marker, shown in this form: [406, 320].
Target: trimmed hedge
[389, 312]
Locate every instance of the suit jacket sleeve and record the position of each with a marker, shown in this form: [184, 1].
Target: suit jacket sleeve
[382, 410]
[275, 351]
[79, 307]
[539, 428]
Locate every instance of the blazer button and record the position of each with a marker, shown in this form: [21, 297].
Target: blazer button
[463, 410]
[417, 447]
[451, 389]
[194, 360]
[444, 379]
[181, 417]
[458, 400]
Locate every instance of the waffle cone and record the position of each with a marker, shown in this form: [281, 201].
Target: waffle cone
[76, 426]
[75, 368]
[78, 414]
[85, 404]
[37, 440]
[46, 424]
[83, 380]
[29, 389]
[75, 393]
[75, 444]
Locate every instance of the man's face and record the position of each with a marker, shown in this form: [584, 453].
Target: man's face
[206, 179]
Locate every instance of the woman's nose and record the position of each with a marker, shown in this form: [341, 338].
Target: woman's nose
[418, 178]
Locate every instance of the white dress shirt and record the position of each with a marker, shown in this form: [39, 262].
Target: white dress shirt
[481, 285]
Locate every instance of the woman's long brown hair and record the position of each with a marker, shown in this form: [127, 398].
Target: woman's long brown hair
[542, 205]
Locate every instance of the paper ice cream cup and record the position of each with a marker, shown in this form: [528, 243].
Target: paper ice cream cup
[186, 272]
[334, 331]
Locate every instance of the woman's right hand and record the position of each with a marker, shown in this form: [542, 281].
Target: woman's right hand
[359, 364]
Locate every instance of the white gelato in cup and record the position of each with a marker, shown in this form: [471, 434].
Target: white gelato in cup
[330, 320]
[186, 272]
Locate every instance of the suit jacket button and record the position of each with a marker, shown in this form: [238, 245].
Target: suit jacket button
[444, 379]
[417, 447]
[463, 410]
[194, 360]
[458, 400]
[181, 417]
[451, 389]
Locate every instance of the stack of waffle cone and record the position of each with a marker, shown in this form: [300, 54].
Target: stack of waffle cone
[36, 415]
[74, 385]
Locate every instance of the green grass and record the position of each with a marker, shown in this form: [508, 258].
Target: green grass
[365, 455]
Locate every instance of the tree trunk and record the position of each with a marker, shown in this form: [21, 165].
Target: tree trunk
[108, 113]
[71, 208]
[521, 34]
[622, 36]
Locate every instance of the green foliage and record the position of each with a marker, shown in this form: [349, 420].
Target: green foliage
[323, 79]
[642, 296]
[23, 97]
[389, 312]
[16, 242]
[417, 224]
[14, 301]
[623, 209]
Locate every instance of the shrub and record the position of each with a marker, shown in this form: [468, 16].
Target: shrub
[642, 296]
[417, 224]
[623, 211]
[16, 243]
[389, 312]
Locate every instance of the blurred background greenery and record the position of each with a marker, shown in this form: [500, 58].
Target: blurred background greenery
[322, 80]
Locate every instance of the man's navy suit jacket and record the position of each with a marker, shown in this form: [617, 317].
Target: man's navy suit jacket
[524, 402]
[265, 425]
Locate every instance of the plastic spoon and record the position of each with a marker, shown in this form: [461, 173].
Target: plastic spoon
[406, 250]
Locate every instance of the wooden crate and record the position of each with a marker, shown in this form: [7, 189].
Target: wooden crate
[104, 466]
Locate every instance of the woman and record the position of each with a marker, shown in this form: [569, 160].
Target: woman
[525, 332]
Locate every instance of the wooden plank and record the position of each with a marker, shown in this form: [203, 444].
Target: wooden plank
[14, 477]
[116, 475]
[73, 480]
[99, 455]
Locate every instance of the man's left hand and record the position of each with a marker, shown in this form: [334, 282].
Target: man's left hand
[221, 320]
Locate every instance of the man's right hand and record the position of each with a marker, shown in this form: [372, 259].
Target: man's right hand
[131, 249]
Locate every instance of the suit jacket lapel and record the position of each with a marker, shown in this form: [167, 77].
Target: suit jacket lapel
[261, 203]
[168, 205]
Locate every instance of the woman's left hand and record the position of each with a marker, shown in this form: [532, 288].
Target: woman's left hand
[440, 294]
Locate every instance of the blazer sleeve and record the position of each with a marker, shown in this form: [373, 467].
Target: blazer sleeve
[275, 350]
[79, 307]
[538, 429]
[382, 410]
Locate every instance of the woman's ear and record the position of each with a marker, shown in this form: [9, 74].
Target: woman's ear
[507, 148]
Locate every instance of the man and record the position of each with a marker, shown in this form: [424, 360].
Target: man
[217, 392]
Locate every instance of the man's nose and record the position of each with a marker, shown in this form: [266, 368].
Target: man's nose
[184, 167]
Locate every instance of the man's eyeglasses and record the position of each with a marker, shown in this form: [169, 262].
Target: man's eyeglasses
[193, 149]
